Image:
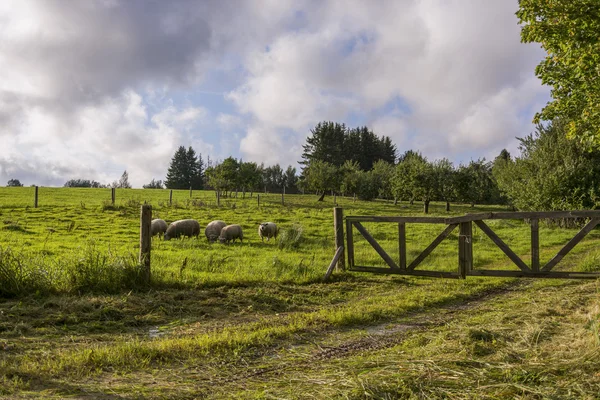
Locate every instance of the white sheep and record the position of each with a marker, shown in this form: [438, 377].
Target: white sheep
[183, 227]
[230, 233]
[213, 230]
[267, 230]
[157, 226]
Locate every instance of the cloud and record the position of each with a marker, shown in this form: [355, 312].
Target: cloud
[459, 66]
[88, 89]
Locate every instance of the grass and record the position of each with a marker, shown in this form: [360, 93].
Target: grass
[254, 320]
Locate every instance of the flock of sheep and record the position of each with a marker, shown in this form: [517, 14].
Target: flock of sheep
[216, 230]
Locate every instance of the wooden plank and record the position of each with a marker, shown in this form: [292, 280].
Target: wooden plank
[422, 220]
[376, 245]
[586, 213]
[350, 244]
[535, 245]
[339, 252]
[338, 228]
[569, 246]
[503, 246]
[431, 247]
[35, 198]
[402, 244]
[418, 272]
[468, 218]
[522, 274]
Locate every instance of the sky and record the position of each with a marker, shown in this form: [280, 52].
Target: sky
[91, 88]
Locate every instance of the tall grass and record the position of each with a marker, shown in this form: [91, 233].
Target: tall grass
[89, 270]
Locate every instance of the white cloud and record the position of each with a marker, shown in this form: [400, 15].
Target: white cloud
[93, 88]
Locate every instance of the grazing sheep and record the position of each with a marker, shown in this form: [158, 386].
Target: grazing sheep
[267, 230]
[157, 226]
[183, 227]
[230, 233]
[213, 230]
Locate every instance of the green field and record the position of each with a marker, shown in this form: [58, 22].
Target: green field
[255, 320]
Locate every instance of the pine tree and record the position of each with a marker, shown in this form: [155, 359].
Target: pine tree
[178, 174]
[326, 144]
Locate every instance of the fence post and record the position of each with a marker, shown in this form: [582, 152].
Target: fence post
[335, 199]
[113, 195]
[35, 198]
[535, 245]
[171, 198]
[258, 199]
[282, 196]
[218, 197]
[338, 226]
[465, 249]
[145, 241]
[402, 244]
[190, 192]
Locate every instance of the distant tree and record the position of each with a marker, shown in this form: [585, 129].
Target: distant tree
[178, 175]
[289, 178]
[250, 177]
[551, 173]
[475, 183]
[14, 183]
[381, 175]
[349, 176]
[568, 32]
[273, 178]
[414, 178]
[124, 181]
[445, 181]
[83, 183]
[320, 176]
[367, 185]
[154, 184]
[325, 144]
[186, 170]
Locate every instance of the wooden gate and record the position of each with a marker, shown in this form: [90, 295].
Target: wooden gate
[465, 244]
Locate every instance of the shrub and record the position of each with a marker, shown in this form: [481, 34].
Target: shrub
[290, 237]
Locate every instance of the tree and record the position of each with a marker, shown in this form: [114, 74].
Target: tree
[250, 177]
[551, 173]
[414, 178]
[382, 173]
[349, 177]
[320, 176]
[154, 184]
[186, 170]
[122, 183]
[325, 144]
[290, 178]
[445, 181]
[475, 183]
[178, 174]
[568, 31]
[273, 178]
[14, 183]
[83, 183]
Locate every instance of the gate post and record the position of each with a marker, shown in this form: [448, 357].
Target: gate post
[338, 226]
[465, 249]
[145, 241]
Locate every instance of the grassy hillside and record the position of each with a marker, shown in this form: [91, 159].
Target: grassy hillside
[254, 320]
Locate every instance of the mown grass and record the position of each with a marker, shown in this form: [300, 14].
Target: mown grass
[76, 318]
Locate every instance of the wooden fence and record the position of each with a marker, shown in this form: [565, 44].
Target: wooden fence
[465, 244]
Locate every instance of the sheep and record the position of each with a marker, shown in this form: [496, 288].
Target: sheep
[213, 230]
[183, 227]
[230, 233]
[157, 226]
[267, 230]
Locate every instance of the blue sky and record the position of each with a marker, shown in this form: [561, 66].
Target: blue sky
[89, 89]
